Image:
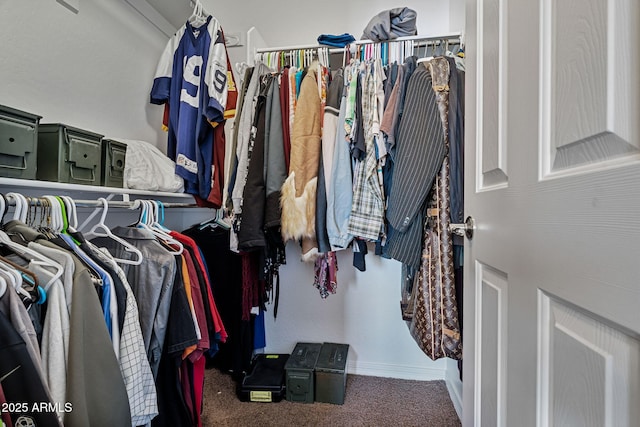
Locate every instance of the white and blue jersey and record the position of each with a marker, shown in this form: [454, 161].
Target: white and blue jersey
[192, 78]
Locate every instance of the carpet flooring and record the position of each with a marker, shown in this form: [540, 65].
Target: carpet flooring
[369, 401]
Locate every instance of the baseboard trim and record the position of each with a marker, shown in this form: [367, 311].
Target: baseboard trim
[454, 385]
[389, 370]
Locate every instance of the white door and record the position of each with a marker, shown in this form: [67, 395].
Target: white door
[552, 274]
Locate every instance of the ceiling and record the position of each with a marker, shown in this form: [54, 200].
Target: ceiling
[175, 12]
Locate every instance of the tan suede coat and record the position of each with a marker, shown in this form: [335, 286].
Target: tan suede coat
[298, 199]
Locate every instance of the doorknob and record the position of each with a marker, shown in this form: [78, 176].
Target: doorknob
[464, 229]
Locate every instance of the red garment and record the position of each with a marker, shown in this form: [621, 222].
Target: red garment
[3, 414]
[198, 305]
[214, 199]
[250, 284]
[284, 107]
[232, 89]
[217, 320]
[198, 382]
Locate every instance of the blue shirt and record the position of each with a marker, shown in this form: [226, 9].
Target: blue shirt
[192, 78]
[106, 280]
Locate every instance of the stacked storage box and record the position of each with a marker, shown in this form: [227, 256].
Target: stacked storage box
[113, 159]
[68, 154]
[331, 373]
[18, 143]
[300, 372]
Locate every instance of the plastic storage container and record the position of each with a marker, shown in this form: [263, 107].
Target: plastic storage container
[68, 154]
[331, 373]
[18, 143]
[266, 382]
[299, 368]
[114, 155]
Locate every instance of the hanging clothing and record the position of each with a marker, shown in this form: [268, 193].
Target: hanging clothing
[151, 282]
[232, 152]
[134, 366]
[434, 324]
[250, 222]
[225, 270]
[284, 107]
[105, 402]
[191, 78]
[419, 156]
[367, 212]
[20, 379]
[325, 177]
[244, 135]
[298, 198]
[340, 187]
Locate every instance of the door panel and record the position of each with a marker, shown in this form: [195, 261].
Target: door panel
[556, 248]
[589, 117]
[491, 145]
[589, 371]
[491, 335]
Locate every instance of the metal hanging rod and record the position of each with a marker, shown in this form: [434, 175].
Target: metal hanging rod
[34, 201]
[450, 36]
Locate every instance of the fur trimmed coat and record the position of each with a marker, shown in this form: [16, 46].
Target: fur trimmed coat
[298, 194]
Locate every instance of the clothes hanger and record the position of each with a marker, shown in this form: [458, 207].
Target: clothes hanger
[72, 212]
[101, 230]
[427, 58]
[23, 281]
[143, 222]
[20, 206]
[34, 256]
[159, 215]
[3, 287]
[199, 16]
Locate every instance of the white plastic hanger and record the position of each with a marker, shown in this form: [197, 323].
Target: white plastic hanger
[427, 58]
[146, 211]
[36, 257]
[3, 287]
[3, 206]
[13, 279]
[72, 212]
[56, 223]
[101, 230]
[199, 15]
[21, 208]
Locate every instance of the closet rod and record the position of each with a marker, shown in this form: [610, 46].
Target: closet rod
[34, 201]
[450, 36]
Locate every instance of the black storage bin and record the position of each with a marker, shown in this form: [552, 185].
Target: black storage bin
[114, 155]
[266, 382]
[18, 143]
[331, 373]
[300, 367]
[68, 154]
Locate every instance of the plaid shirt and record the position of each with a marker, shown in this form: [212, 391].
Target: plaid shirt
[367, 209]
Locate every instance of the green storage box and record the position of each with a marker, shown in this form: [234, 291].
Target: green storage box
[299, 368]
[114, 155]
[18, 143]
[68, 154]
[331, 373]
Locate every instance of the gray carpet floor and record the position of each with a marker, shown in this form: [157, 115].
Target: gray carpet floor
[369, 401]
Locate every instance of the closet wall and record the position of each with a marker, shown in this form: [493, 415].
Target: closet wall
[91, 70]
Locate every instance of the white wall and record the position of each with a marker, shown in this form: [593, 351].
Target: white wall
[285, 23]
[92, 70]
[364, 313]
